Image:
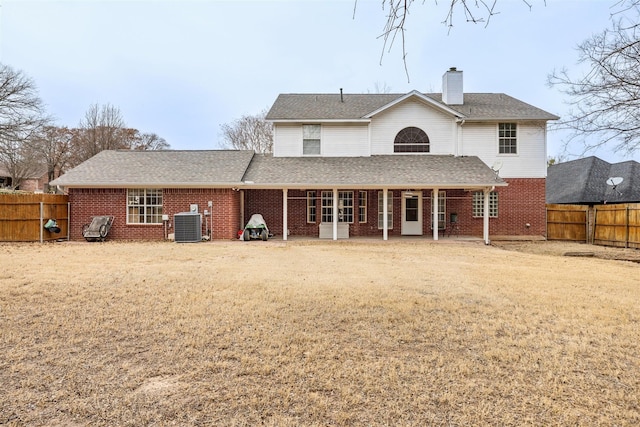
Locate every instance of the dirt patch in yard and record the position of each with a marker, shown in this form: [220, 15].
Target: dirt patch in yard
[318, 334]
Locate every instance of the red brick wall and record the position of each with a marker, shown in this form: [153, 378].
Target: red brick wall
[521, 203]
[224, 218]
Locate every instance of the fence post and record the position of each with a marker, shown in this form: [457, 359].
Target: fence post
[626, 227]
[41, 223]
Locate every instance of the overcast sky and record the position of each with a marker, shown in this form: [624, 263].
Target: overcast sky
[183, 68]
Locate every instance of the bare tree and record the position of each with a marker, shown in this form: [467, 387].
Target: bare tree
[101, 129]
[147, 141]
[22, 115]
[18, 160]
[249, 133]
[397, 12]
[605, 101]
[54, 147]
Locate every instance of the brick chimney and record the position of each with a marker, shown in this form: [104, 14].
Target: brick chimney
[452, 93]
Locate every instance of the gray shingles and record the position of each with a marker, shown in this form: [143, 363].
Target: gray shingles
[159, 168]
[388, 170]
[584, 181]
[477, 106]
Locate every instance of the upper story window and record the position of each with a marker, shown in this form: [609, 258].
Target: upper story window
[507, 140]
[144, 206]
[310, 140]
[411, 140]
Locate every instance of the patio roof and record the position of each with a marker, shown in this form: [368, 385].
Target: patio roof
[385, 171]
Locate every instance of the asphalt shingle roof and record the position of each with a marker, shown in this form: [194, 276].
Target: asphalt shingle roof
[477, 106]
[584, 181]
[124, 168]
[121, 168]
[374, 172]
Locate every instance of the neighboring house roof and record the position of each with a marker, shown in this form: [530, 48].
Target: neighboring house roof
[584, 181]
[392, 171]
[476, 107]
[126, 168]
[226, 168]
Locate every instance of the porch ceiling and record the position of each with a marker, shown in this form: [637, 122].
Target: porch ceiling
[388, 171]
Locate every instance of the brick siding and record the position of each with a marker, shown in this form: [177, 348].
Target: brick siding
[224, 219]
[519, 204]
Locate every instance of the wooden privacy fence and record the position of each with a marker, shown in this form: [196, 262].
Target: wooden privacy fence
[568, 222]
[606, 225]
[23, 217]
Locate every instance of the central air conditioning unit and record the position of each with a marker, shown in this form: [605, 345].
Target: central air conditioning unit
[187, 227]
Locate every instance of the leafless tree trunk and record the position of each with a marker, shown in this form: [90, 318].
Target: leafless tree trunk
[249, 133]
[606, 100]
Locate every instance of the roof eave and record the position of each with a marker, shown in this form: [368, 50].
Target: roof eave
[355, 120]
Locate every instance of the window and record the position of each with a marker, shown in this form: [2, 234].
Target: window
[411, 140]
[507, 141]
[442, 209]
[327, 206]
[144, 206]
[362, 206]
[310, 140]
[311, 206]
[478, 204]
[389, 210]
[345, 206]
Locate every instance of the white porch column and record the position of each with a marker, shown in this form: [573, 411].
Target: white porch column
[335, 214]
[385, 215]
[485, 216]
[434, 221]
[285, 226]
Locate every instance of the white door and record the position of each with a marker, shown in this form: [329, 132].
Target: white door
[412, 213]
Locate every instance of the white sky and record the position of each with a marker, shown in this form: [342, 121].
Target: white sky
[182, 68]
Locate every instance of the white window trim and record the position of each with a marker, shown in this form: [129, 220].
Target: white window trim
[319, 140]
[517, 139]
[144, 205]
[362, 206]
[312, 197]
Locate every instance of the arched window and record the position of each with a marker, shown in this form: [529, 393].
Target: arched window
[411, 140]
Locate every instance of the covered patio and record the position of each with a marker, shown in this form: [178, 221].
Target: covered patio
[404, 195]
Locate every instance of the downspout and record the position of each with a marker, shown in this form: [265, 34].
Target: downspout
[459, 138]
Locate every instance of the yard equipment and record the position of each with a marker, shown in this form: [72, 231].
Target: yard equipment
[52, 226]
[256, 229]
[98, 229]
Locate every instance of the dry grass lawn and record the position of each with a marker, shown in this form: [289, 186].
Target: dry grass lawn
[399, 333]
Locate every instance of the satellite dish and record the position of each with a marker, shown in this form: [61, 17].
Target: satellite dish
[497, 165]
[615, 180]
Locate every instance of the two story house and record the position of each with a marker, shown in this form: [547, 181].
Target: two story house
[344, 165]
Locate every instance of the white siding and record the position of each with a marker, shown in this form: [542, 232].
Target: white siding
[439, 127]
[531, 161]
[345, 140]
[336, 140]
[287, 140]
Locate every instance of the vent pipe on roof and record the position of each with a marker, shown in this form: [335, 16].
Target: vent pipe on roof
[341, 98]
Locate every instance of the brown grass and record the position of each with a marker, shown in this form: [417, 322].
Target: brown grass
[316, 334]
